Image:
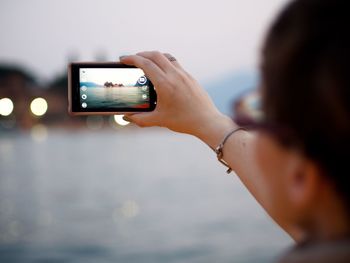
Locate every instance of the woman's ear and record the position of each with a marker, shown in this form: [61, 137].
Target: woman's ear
[302, 182]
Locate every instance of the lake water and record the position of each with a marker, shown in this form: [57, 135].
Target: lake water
[116, 97]
[130, 195]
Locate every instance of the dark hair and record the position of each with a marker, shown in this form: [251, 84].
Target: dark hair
[306, 83]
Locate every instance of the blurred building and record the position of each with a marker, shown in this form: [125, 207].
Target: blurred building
[20, 106]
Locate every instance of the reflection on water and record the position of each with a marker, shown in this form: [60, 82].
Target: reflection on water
[125, 196]
[117, 97]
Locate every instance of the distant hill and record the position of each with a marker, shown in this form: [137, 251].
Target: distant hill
[89, 84]
[225, 90]
[12, 69]
[59, 84]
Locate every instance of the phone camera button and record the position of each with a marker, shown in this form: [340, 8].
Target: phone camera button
[142, 80]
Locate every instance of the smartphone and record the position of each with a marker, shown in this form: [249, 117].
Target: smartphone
[108, 88]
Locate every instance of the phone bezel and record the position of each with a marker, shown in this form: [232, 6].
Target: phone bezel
[74, 107]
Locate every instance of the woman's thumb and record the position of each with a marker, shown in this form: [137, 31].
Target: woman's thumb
[144, 119]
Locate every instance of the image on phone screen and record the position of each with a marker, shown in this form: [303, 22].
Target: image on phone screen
[113, 88]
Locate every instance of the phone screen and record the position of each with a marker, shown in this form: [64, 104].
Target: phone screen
[113, 88]
[108, 88]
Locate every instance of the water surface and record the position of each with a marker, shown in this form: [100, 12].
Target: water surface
[130, 195]
[115, 97]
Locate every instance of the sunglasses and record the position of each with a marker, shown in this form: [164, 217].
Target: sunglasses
[248, 113]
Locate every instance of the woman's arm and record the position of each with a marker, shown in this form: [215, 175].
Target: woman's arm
[183, 106]
[239, 153]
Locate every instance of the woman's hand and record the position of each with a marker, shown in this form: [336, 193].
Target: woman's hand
[182, 104]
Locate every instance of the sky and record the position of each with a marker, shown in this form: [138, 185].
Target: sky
[209, 38]
[114, 75]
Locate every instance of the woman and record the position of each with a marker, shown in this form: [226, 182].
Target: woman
[294, 161]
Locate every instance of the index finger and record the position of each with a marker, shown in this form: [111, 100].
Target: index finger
[159, 59]
[152, 71]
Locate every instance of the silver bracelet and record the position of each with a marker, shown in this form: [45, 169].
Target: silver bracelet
[219, 149]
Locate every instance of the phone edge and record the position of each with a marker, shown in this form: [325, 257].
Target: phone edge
[70, 106]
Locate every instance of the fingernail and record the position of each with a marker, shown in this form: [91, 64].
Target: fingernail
[121, 57]
[126, 118]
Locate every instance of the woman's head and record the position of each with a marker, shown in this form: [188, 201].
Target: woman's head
[306, 86]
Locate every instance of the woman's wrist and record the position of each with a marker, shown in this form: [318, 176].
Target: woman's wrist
[214, 128]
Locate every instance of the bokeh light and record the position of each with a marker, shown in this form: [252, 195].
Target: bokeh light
[6, 106]
[45, 218]
[39, 133]
[119, 120]
[129, 209]
[38, 106]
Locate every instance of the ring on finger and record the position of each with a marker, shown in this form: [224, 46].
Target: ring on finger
[170, 57]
